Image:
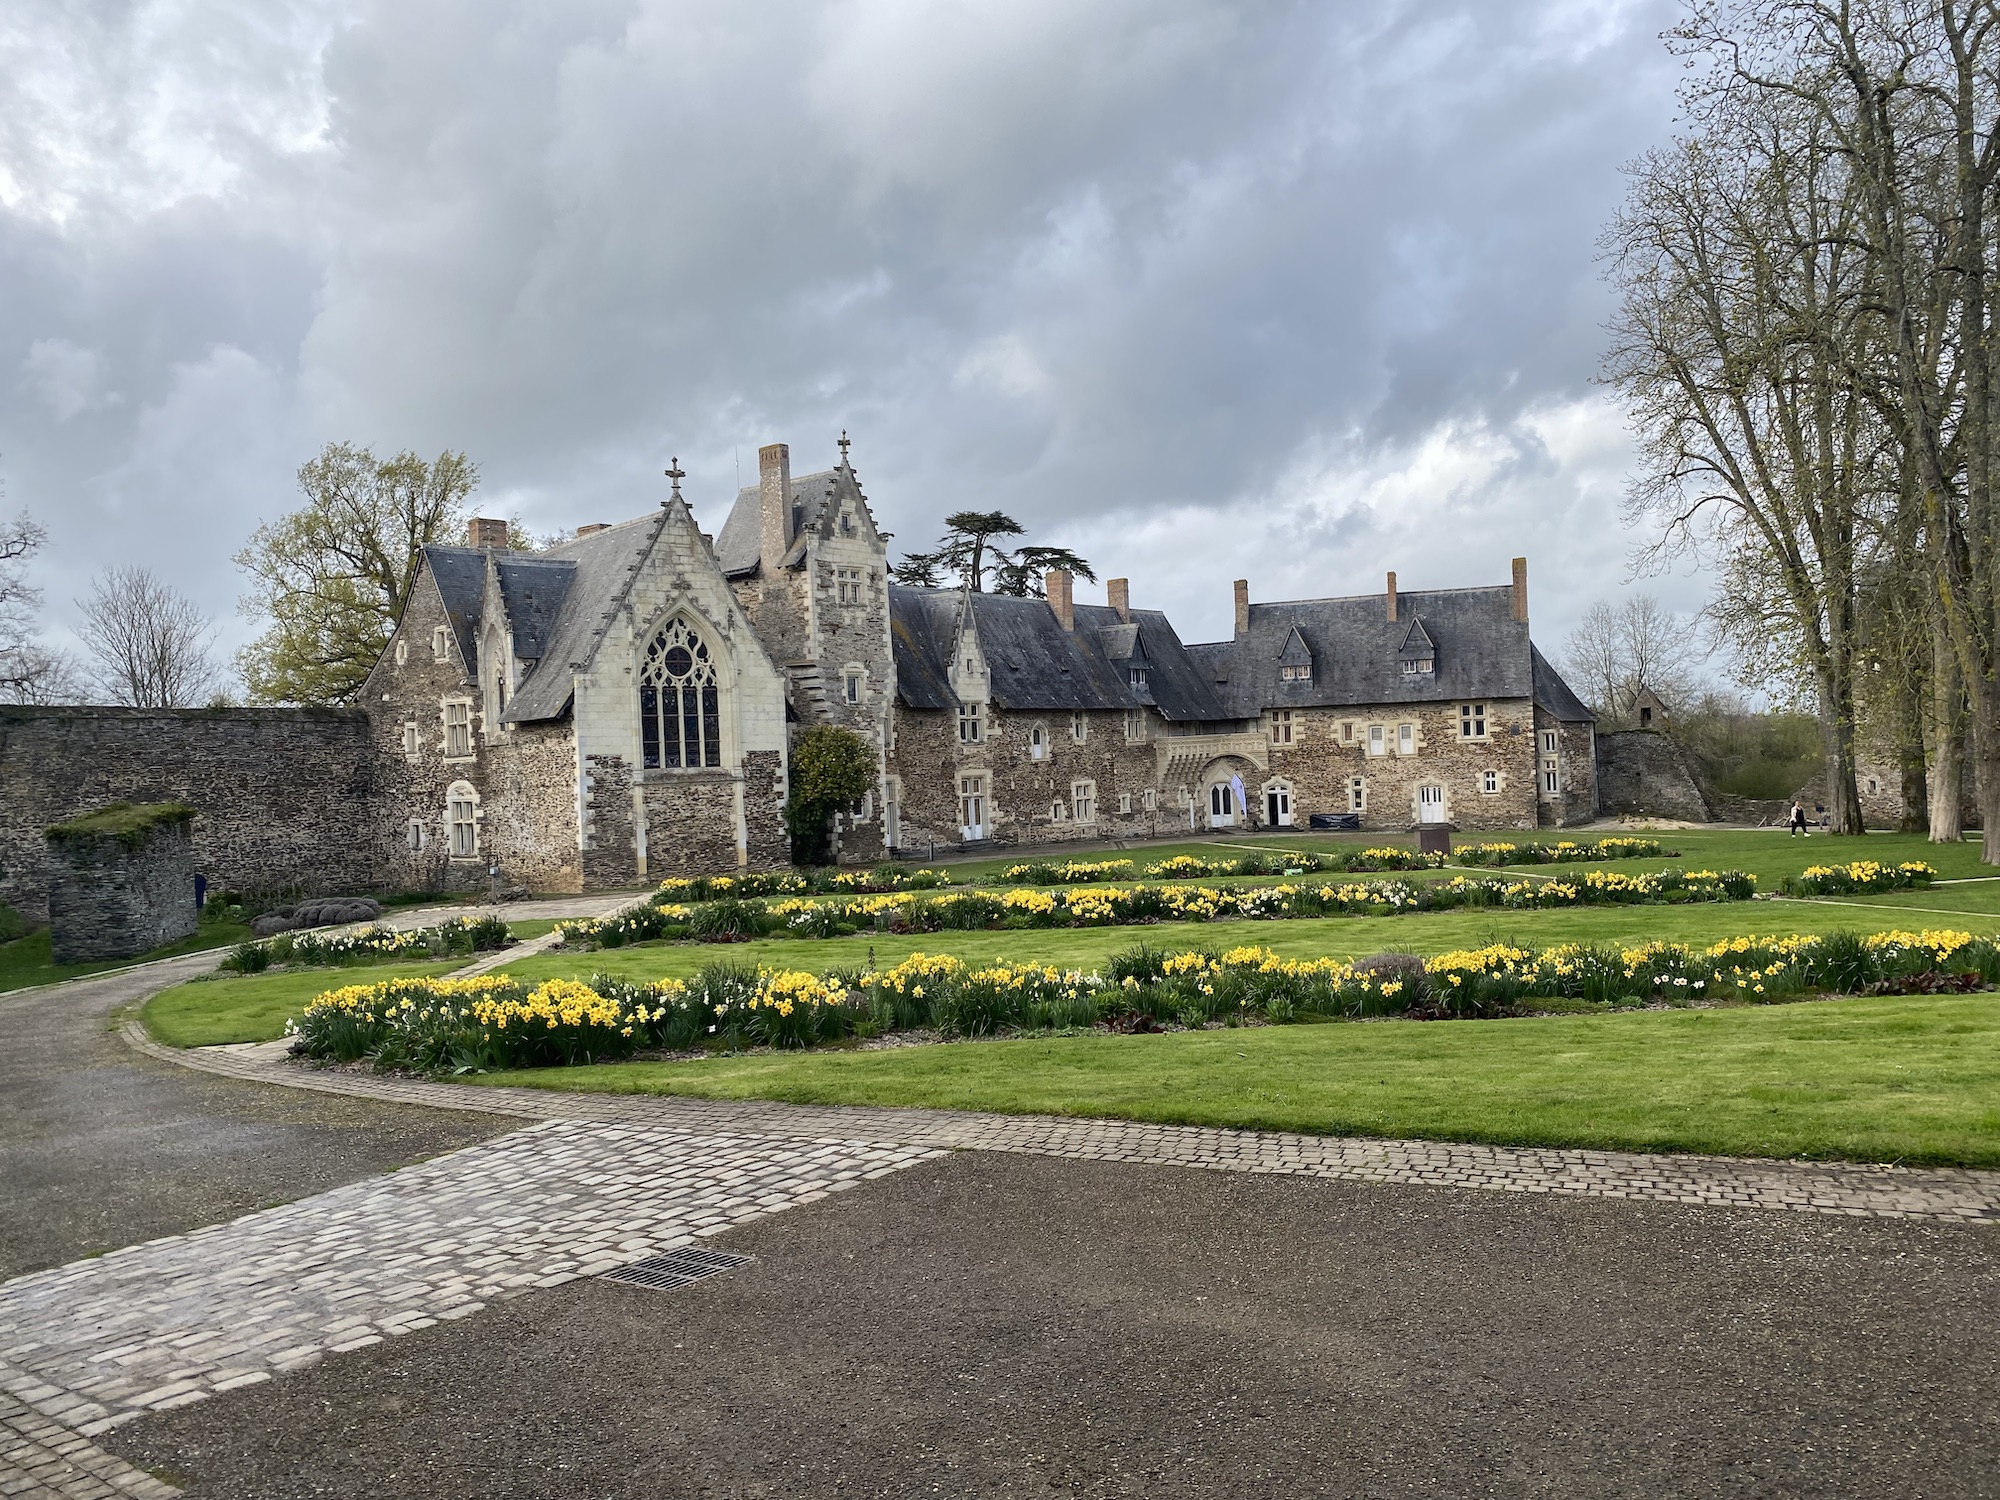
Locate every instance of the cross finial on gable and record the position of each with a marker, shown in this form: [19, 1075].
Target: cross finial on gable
[843, 449]
[676, 473]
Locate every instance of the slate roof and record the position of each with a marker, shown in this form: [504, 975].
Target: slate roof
[739, 545]
[1034, 663]
[1553, 695]
[460, 576]
[1482, 651]
[533, 589]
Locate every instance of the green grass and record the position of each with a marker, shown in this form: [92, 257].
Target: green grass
[1914, 1079]
[207, 1012]
[26, 961]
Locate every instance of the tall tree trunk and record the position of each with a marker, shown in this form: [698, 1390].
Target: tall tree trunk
[1906, 708]
[1947, 741]
[1836, 724]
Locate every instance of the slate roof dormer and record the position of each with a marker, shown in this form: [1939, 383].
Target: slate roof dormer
[1418, 646]
[1296, 654]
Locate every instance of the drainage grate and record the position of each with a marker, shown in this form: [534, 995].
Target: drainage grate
[663, 1273]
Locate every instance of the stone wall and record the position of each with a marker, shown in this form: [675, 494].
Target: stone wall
[110, 897]
[284, 798]
[1575, 799]
[1642, 773]
[1329, 751]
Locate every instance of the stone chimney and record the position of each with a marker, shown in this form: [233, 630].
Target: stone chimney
[774, 503]
[1521, 589]
[1242, 608]
[592, 527]
[1392, 598]
[1118, 594]
[1062, 597]
[484, 531]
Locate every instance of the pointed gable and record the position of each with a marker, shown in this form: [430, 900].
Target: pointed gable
[1296, 653]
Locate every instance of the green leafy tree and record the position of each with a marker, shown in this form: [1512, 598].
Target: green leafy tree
[973, 544]
[832, 768]
[333, 577]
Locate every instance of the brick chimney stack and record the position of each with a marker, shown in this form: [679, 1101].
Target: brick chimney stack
[1521, 589]
[1061, 589]
[1242, 608]
[1392, 598]
[484, 531]
[774, 504]
[1118, 594]
[593, 528]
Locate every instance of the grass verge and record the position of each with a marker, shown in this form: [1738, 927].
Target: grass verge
[26, 961]
[1910, 1079]
[207, 1012]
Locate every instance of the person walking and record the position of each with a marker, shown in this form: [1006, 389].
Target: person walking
[1799, 819]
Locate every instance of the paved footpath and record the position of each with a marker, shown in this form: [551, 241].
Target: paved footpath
[593, 1182]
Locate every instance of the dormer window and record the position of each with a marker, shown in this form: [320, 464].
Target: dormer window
[1295, 662]
[1418, 652]
[1136, 677]
[1418, 666]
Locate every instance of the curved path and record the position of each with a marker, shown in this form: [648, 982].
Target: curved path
[110, 1139]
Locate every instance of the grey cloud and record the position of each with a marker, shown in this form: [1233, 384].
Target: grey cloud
[1195, 286]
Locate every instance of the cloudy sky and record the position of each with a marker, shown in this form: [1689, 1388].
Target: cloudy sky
[1297, 292]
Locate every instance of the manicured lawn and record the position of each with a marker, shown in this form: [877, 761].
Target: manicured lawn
[25, 961]
[1912, 1079]
[255, 1008]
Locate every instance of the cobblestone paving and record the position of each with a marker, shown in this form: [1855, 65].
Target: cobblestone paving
[95, 1343]
[1833, 1188]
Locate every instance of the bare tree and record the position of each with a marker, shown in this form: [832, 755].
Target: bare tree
[1618, 648]
[29, 671]
[149, 645]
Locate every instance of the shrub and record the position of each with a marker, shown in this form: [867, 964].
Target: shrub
[1861, 876]
[726, 921]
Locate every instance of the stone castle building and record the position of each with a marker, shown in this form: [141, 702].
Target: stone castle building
[621, 707]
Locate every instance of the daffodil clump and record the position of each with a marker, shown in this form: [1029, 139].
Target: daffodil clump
[751, 884]
[332, 950]
[1562, 851]
[1862, 876]
[1068, 872]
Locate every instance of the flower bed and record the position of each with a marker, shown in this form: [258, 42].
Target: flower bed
[1857, 878]
[1563, 851]
[446, 1025]
[755, 883]
[331, 950]
[1117, 906]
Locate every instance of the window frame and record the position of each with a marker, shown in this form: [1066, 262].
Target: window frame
[1489, 782]
[847, 586]
[454, 747]
[679, 699]
[1472, 722]
[441, 644]
[971, 724]
[1378, 739]
[1124, 804]
[1281, 726]
[1079, 727]
[1406, 738]
[461, 795]
[1357, 794]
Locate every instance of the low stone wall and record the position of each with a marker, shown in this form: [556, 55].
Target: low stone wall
[1641, 773]
[117, 895]
[284, 798]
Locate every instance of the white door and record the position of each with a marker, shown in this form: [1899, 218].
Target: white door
[1221, 806]
[1278, 804]
[972, 809]
[1430, 804]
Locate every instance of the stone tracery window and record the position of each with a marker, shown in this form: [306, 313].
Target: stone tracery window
[680, 719]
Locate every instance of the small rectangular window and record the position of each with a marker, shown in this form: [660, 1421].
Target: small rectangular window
[1135, 724]
[1357, 795]
[414, 835]
[1298, 673]
[1489, 781]
[1376, 736]
[848, 585]
[1149, 799]
[971, 730]
[1083, 800]
[413, 739]
[853, 687]
[1549, 778]
[1079, 727]
[1125, 804]
[1549, 745]
[1406, 739]
[458, 728]
[1347, 734]
[1472, 721]
[441, 644]
[402, 652]
[464, 828]
[1136, 677]
[1281, 726]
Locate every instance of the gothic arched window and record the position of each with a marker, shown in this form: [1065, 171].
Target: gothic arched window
[679, 719]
